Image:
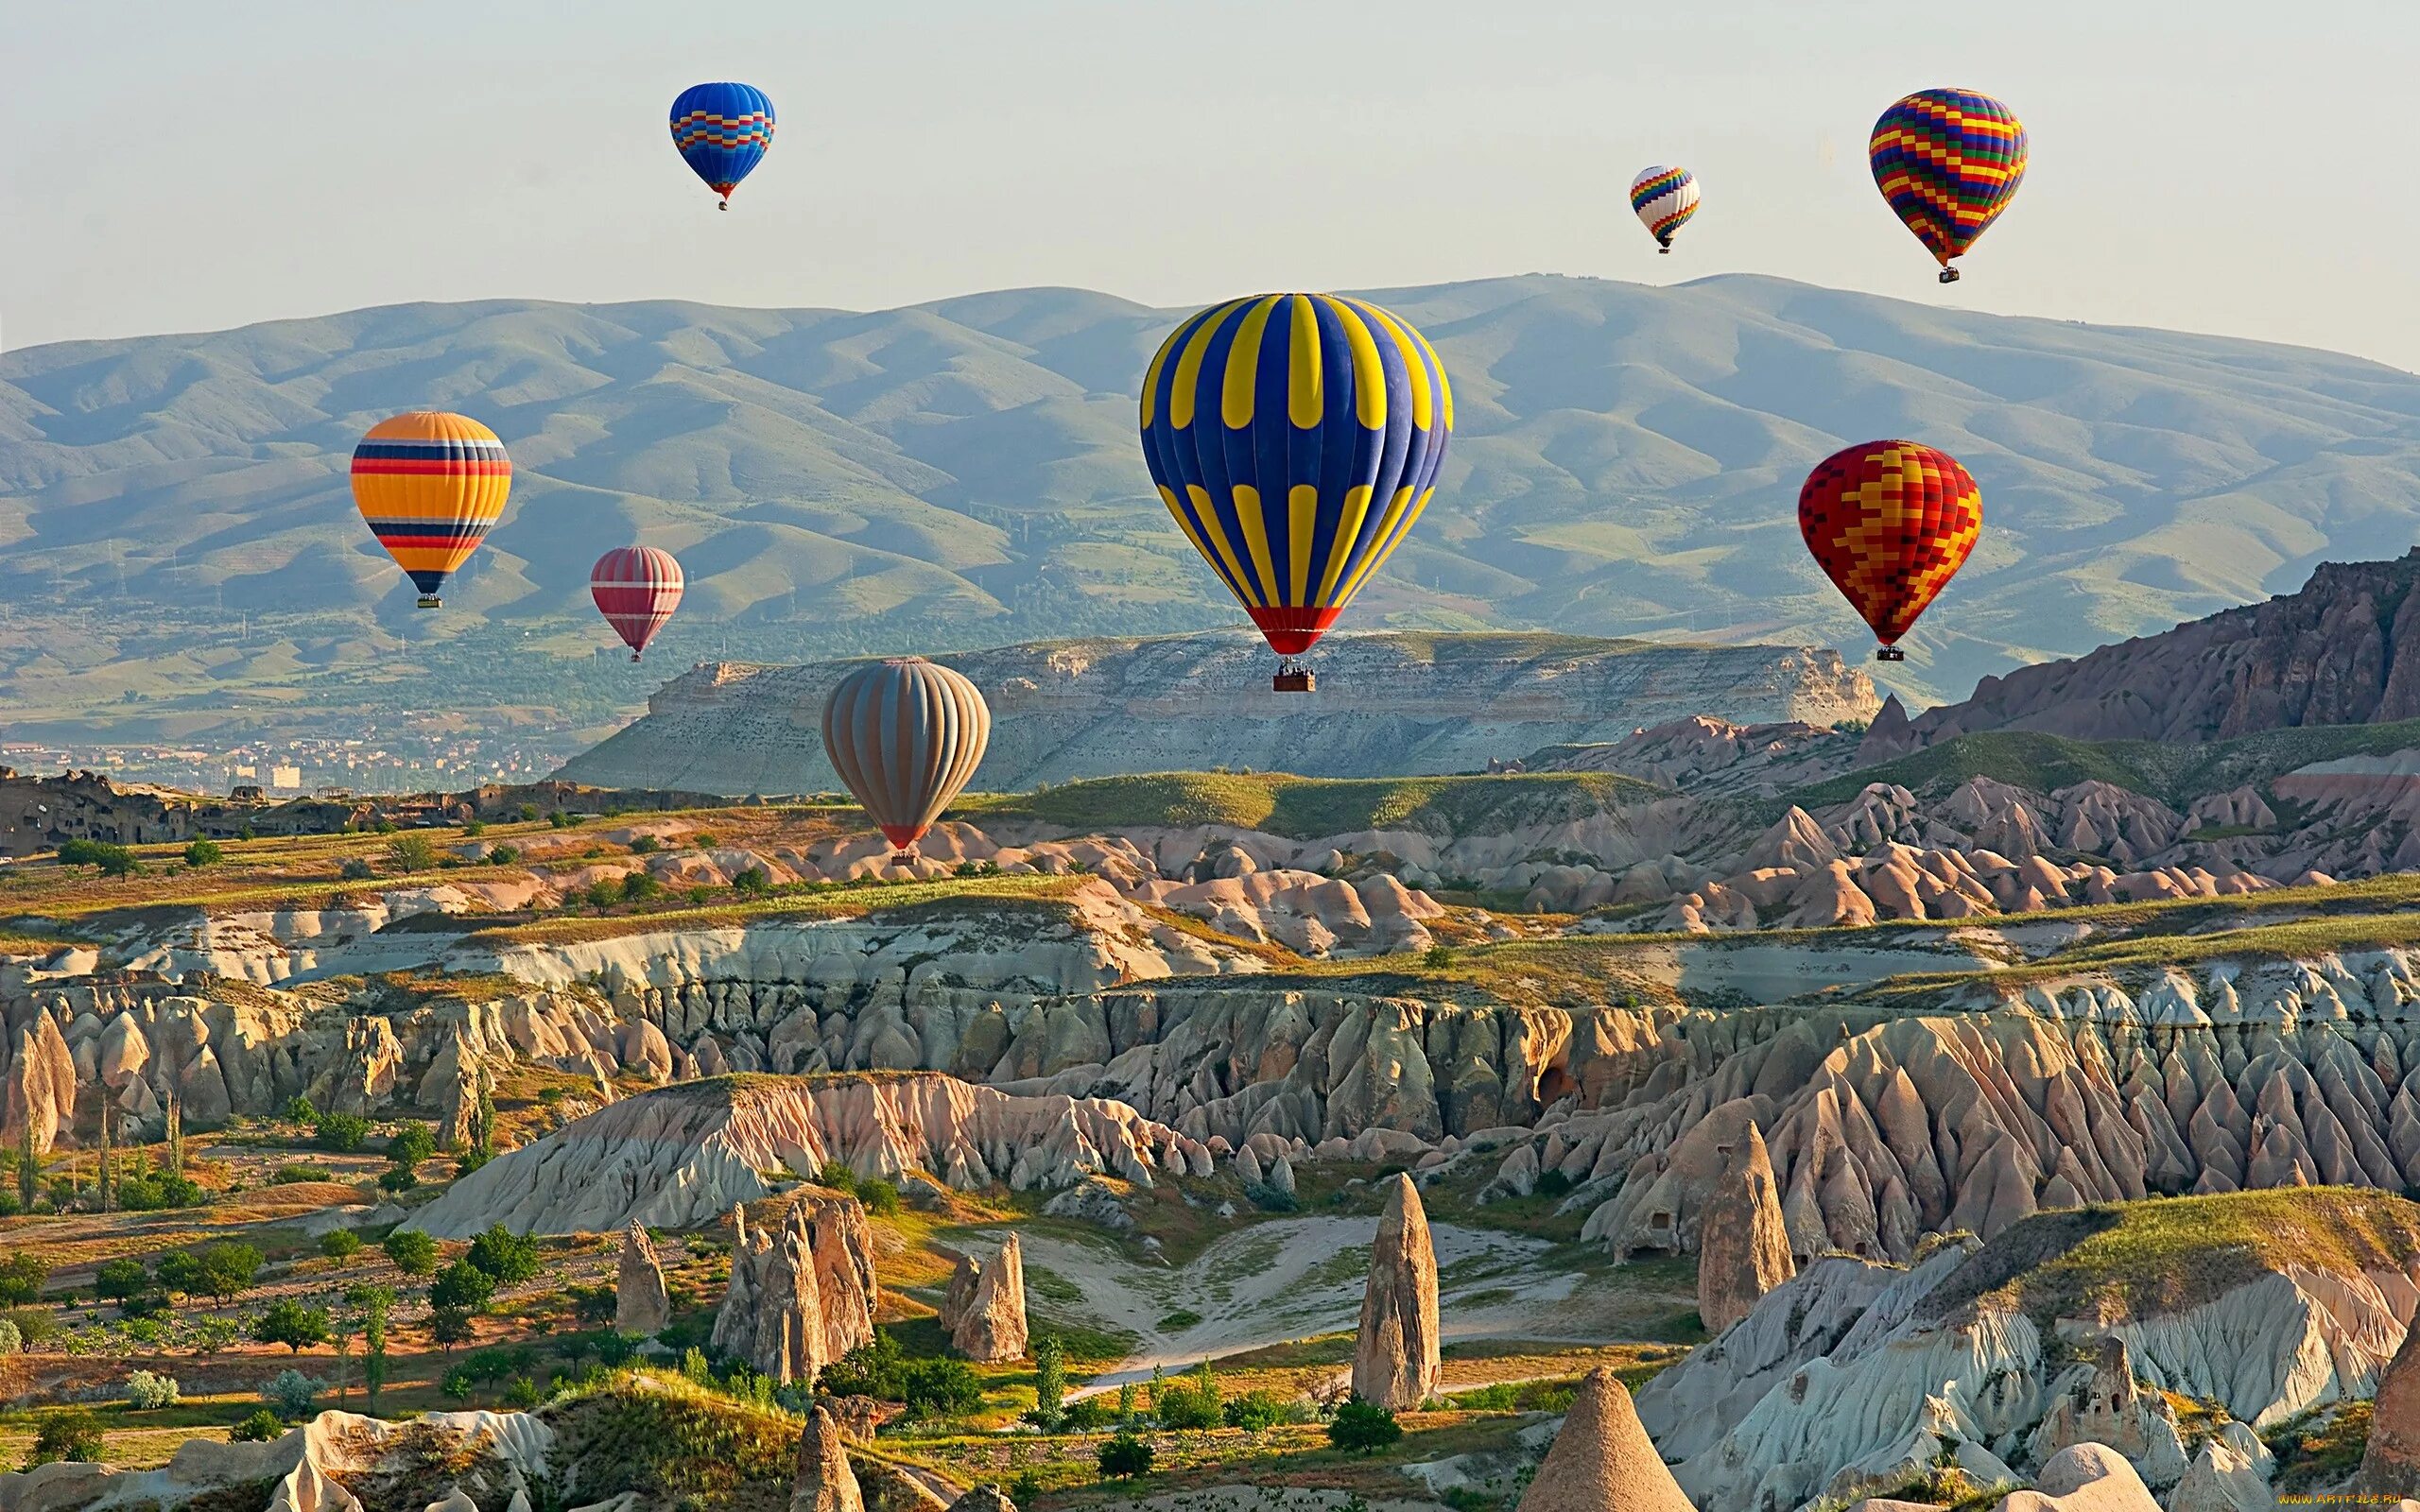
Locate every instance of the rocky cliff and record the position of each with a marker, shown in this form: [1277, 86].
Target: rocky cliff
[2345, 650]
[1387, 705]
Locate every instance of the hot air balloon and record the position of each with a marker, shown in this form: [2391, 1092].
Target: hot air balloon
[636, 589]
[722, 131]
[904, 736]
[1949, 160]
[431, 485]
[1296, 438]
[1665, 200]
[1890, 523]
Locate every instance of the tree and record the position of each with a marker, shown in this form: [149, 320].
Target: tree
[120, 1278]
[1361, 1426]
[601, 894]
[414, 1253]
[288, 1322]
[259, 1427]
[148, 1392]
[1049, 1383]
[1192, 1404]
[373, 1303]
[939, 1389]
[1125, 1457]
[110, 860]
[226, 1269]
[506, 1257]
[204, 854]
[28, 1167]
[71, 1433]
[449, 1326]
[753, 881]
[398, 1178]
[411, 852]
[109, 1164]
[1255, 1410]
[869, 1371]
[176, 1135]
[502, 855]
[291, 1394]
[410, 1145]
[298, 1110]
[22, 1278]
[340, 1244]
[461, 1287]
[341, 1133]
[639, 888]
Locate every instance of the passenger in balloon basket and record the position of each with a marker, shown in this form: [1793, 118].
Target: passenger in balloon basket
[1294, 676]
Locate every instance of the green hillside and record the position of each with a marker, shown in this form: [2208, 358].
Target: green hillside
[1306, 808]
[2175, 774]
[183, 551]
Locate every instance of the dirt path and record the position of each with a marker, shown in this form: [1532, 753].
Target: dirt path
[1293, 1278]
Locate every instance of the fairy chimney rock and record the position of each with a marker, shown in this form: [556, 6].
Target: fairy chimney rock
[1394, 1358]
[984, 1312]
[641, 1304]
[1743, 1243]
[1603, 1459]
[824, 1483]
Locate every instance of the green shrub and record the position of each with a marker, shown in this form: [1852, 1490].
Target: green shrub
[506, 1257]
[411, 1144]
[1187, 1407]
[204, 854]
[21, 1277]
[836, 1174]
[461, 1287]
[261, 1426]
[643, 845]
[355, 869]
[1178, 1321]
[877, 1369]
[291, 1395]
[411, 852]
[12, 1341]
[753, 881]
[880, 1197]
[146, 1392]
[459, 1383]
[295, 1172]
[939, 1389]
[110, 860]
[1084, 1415]
[638, 887]
[396, 1179]
[525, 1393]
[120, 1278]
[1361, 1427]
[69, 1434]
[1255, 1410]
[340, 1244]
[502, 855]
[413, 1253]
[343, 1133]
[1124, 1457]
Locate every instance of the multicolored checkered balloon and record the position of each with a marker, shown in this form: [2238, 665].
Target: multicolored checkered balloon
[1890, 523]
[1949, 160]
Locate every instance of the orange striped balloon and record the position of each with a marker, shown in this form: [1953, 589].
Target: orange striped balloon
[1890, 523]
[431, 485]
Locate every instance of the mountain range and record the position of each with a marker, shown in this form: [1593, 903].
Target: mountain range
[180, 550]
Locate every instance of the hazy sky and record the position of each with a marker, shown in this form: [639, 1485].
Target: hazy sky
[2222, 166]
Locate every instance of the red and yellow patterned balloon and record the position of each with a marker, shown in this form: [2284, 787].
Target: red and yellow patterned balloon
[1890, 523]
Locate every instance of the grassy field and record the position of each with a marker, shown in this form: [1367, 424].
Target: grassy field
[1308, 808]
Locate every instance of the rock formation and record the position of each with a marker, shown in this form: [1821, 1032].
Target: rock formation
[986, 1497]
[2391, 1465]
[773, 1315]
[2086, 1478]
[824, 1483]
[984, 1313]
[641, 1304]
[1601, 1460]
[1395, 1353]
[1743, 1245]
[2104, 1405]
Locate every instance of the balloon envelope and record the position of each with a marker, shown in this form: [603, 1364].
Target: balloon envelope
[431, 485]
[1890, 523]
[636, 589]
[904, 736]
[1664, 199]
[722, 131]
[1295, 439]
[1949, 160]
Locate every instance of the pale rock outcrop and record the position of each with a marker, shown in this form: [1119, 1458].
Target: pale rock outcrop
[2222, 1479]
[1395, 1359]
[984, 1310]
[641, 1304]
[1743, 1245]
[823, 1482]
[1601, 1460]
[2086, 1478]
[2103, 1403]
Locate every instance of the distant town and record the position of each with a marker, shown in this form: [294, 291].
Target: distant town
[380, 759]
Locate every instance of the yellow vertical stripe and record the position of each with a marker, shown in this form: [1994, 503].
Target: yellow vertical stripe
[1188, 366]
[1421, 399]
[1369, 374]
[1206, 515]
[1243, 366]
[1301, 523]
[1348, 526]
[1379, 543]
[1152, 374]
[1444, 384]
[1255, 529]
[1305, 397]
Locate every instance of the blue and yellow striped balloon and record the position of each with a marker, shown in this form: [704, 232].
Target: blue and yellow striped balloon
[1296, 438]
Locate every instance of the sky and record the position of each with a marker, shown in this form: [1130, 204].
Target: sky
[2228, 166]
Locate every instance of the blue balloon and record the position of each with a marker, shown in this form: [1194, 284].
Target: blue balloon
[722, 131]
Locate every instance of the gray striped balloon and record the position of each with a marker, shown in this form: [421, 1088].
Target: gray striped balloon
[905, 734]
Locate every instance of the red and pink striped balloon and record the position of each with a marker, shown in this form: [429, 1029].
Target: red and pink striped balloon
[637, 587]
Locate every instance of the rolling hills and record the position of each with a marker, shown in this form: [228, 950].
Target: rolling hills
[181, 547]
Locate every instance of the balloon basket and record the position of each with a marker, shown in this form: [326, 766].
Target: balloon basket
[634, 656]
[431, 601]
[1665, 251]
[1888, 653]
[1292, 677]
[1949, 275]
[723, 204]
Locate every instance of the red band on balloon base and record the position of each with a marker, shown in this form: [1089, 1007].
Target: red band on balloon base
[903, 837]
[1293, 631]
